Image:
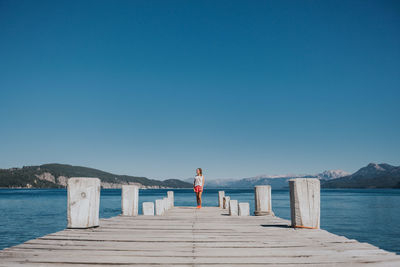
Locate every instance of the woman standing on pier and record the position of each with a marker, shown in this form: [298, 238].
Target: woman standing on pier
[198, 185]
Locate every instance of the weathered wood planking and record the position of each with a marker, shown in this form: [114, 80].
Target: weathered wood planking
[186, 236]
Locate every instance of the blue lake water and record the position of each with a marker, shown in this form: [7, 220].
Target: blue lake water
[371, 216]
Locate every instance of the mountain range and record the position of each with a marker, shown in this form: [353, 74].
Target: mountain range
[372, 176]
[276, 181]
[56, 175]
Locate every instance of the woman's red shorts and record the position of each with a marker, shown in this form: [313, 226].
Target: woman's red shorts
[198, 188]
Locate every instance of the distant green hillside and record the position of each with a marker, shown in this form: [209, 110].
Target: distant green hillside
[55, 176]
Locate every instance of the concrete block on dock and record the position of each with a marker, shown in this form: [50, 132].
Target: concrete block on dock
[262, 200]
[159, 207]
[148, 208]
[83, 202]
[221, 195]
[130, 200]
[226, 202]
[233, 207]
[171, 199]
[244, 209]
[305, 202]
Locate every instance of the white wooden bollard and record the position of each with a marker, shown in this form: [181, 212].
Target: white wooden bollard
[221, 195]
[226, 202]
[83, 202]
[162, 206]
[171, 199]
[159, 207]
[262, 200]
[148, 208]
[244, 209]
[305, 202]
[130, 200]
[165, 204]
[233, 207]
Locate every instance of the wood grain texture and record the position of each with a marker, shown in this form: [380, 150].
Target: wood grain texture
[305, 202]
[186, 236]
[130, 200]
[83, 202]
[262, 200]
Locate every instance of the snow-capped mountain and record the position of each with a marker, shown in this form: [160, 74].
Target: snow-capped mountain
[276, 181]
[371, 176]
[332, 174]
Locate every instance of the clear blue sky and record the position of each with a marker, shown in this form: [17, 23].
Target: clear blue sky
[158, 88]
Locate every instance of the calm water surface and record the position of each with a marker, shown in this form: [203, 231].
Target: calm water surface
[371, 216]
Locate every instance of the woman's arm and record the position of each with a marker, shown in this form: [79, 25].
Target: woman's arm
[203, 182]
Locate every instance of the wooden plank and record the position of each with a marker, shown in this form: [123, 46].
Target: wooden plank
[186, 236]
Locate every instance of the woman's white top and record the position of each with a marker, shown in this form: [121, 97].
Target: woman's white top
[198, 180]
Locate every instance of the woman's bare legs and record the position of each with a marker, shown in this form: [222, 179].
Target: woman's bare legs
[199, 202]
[198, 198]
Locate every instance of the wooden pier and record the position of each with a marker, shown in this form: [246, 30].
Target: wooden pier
[186, 236]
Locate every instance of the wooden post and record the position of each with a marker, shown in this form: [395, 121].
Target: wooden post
[221, 195]
[130, 200]
[305, 202]
[83, 202]
[226, 202]
[159, 207]
[262, 200]
[148, 208]
[165, 204]
[171, 199]
[244, 209]
[233, 207]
